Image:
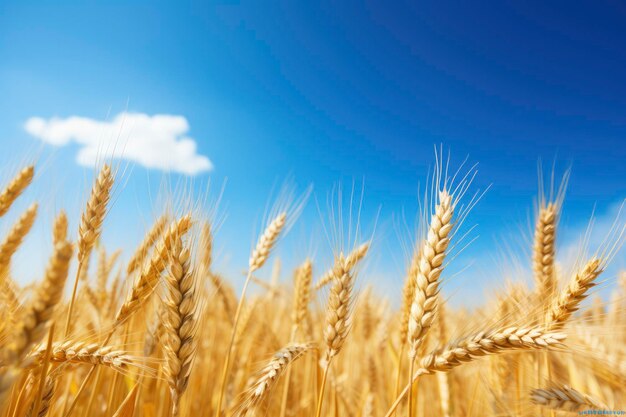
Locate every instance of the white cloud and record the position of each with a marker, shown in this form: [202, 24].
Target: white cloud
[157, 141]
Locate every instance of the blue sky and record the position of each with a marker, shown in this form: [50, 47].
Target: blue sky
[329, 93]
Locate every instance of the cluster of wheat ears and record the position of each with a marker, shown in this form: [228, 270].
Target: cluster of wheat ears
[162, 333]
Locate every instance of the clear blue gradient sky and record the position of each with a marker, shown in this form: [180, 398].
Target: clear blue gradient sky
[327, 93]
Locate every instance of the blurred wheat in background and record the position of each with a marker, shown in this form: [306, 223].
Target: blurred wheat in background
[164, 333]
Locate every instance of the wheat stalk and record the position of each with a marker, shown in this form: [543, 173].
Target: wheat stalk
[564, 398]
[17, 185]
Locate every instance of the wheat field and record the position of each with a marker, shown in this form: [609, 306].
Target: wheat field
[161, 332]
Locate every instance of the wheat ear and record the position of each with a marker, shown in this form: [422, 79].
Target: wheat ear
[570, 298]
[564, 398]
[268, 377]
[266, 242]
[338, 314]
[206, 258]
[301, 298]
[481, 344]
[39, 311]
[206, 261]
[485, 343]
[426, 293]
[74, 351]
[351, 261]
[17, 185]
[339, 309]
[59, 229]
[424, 304]
[142, 288]
[46, 399]
[90, 228]
[408, 293]
[302, 293]
[16, 235]
[93, 216]
[179, 324]
[257, 258]
[142, 251]
[544, 250]
[147, 281]
[224, 293]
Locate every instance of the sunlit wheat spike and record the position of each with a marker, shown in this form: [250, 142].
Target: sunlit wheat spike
[565, 398]
[544, 250]
[224, 293]
[486, 343]
[105, 266]
[339, 309]
[570, 298]
[59, 229]
[81, 352]
[149, 277]
[302, 293]
[433, 252]
[206, 242]
[408, 293]
[17, 185]
[38, 312]
[93, 216]
[154, 331]
[151, 237]
[46, 398]
[180, 325]
[266, 242]
[16, 235]
[351, 261]
[268, 377]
